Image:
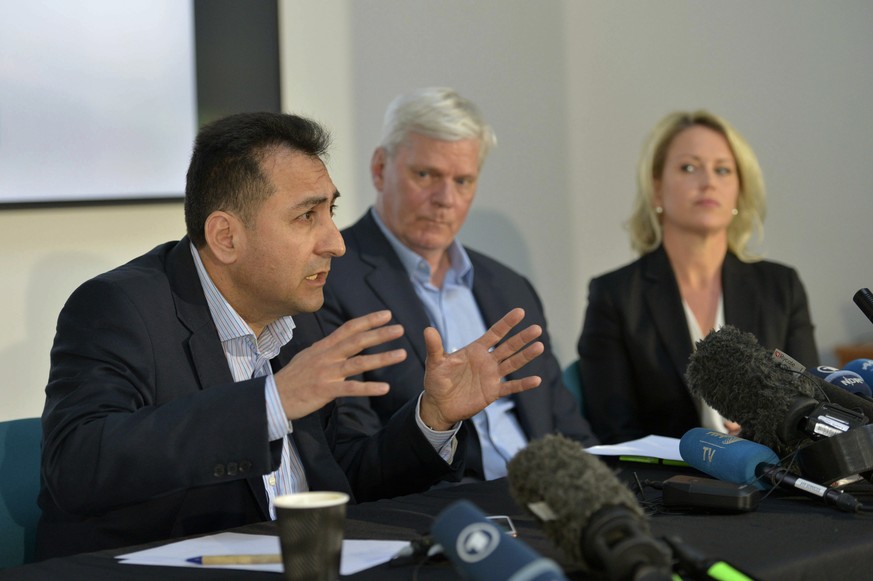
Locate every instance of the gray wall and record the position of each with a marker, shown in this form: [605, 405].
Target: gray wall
[571, 88]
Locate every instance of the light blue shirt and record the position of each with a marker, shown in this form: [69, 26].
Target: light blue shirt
[453, 311]
[249, 356]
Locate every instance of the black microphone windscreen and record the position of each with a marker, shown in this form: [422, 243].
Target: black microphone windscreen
[740, 380]
[563, 486]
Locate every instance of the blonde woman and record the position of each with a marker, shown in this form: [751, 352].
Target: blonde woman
[700, 200]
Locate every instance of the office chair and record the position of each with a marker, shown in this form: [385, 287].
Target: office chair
[573, 383]
[19, 486]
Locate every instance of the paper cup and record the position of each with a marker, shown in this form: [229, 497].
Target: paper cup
[311, 526]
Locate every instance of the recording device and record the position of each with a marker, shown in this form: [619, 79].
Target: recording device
[842, 456]
[589, 514]
[686, 492]
[847, 380]
[745, 462]
[776, 403]
[481, 550]
[846, 453]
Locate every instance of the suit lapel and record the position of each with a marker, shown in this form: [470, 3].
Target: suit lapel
[742, 304]
[207, 355]
[664, 302]
[310, 431]
[389, 281]
[193, 312]
[322, 470]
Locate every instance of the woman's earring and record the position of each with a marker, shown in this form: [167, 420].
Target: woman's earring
[660, 210]
[735, 212]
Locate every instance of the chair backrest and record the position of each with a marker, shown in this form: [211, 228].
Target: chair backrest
[573, 383]
[19, 487]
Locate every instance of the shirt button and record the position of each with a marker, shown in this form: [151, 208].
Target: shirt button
[272, 480]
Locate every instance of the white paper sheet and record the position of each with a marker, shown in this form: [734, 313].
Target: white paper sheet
[356, 556]
[659, 447]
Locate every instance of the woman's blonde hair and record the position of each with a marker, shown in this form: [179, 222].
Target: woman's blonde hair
[644, 225]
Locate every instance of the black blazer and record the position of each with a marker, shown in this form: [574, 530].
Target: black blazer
[147, 436]
[635, 344]
[370, 277]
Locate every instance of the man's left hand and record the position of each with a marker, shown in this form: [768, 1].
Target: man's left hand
[459, 385]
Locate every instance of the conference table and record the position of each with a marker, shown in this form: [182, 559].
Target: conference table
[789, 536]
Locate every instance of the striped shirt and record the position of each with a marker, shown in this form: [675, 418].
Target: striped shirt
[249, 356]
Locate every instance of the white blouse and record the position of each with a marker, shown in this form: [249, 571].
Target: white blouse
[709, 418]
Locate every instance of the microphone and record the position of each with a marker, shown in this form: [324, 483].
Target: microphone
[863, 367]
[481, 551]
[589, 514]
[821, 371]
[851, 382]
[768, 394]
[864, 299]
[745, 462]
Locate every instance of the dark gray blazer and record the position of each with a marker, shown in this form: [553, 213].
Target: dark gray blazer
[635, 344]
[147, 436]
[370, 277]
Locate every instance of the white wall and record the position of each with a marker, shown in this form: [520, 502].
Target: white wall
[571, 88]
[47, 254]
[792, 77]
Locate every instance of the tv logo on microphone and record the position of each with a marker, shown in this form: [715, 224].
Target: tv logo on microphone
[721, 440]
[708, 454]
[477, 541]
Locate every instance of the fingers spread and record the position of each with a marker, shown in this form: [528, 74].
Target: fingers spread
[501, 328]
[320, 373]
[364, 389]
[518, 360]
[361, 333]
[364, 363]
[517, 385]
[434, 344]
[517, 342]
[364, 323]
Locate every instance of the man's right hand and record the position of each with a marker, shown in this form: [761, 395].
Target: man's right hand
[317, 375]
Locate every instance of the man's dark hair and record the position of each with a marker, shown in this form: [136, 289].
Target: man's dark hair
[225, 171]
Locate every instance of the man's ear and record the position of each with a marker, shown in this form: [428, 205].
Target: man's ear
[224, 233]
[377, 167]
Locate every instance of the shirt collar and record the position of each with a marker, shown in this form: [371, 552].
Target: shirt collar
[460, 269]
[227, 321]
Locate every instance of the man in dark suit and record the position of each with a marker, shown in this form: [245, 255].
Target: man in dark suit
[174, 406]
[402, 255]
